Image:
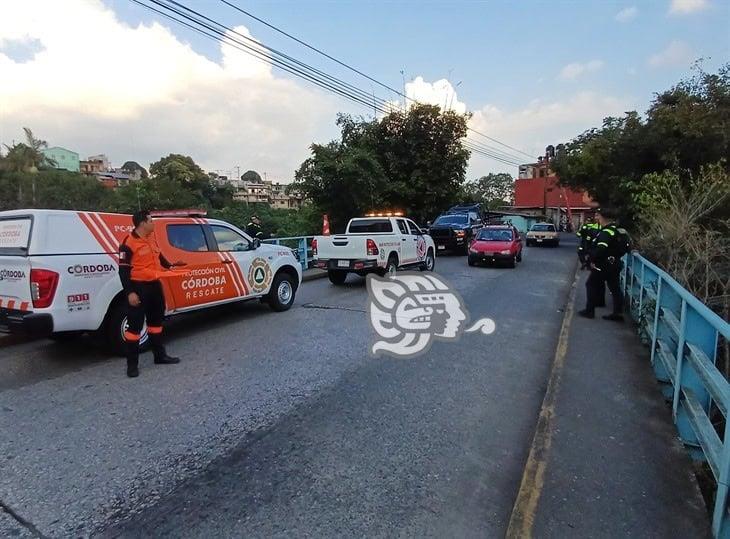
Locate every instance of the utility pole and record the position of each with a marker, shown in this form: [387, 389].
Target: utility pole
[403, 76]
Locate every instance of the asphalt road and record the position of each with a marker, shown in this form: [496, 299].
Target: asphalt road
[282, 424]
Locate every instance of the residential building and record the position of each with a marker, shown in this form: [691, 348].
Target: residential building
[93, 166]
[64, 159]
[268, 192]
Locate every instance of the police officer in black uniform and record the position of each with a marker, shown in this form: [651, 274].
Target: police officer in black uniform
[586, 234]
[605, 262]
[253, 228]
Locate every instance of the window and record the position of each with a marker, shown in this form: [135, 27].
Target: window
[414, 228]
[402, 226]
[187, 237]
[228, 239]
[543, 228]
[369, 226]
[451, 220]
[495, 234]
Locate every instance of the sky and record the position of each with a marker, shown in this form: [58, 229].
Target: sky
[109, 76]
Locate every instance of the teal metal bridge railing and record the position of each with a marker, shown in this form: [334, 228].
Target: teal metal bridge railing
[684, 335]
[301, 244]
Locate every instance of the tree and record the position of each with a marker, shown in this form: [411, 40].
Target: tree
[492, 190]
[28, 156]
[132, 167]
[251, 176]
[685, 129]
[412, 161]
[182, 171]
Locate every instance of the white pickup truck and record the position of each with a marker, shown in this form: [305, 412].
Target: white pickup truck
[374, 244]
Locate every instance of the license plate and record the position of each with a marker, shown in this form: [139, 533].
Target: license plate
[441, 247]
[343, 263]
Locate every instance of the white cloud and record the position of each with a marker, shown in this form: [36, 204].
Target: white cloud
[440, 92]
[139, 93]
[627, 14]
[683, 7]
[676, 54]
[575, 70]
[540, 123]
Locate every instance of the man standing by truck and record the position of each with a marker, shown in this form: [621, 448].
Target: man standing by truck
[141, 265]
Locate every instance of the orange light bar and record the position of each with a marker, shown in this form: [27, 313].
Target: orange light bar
[179, 213]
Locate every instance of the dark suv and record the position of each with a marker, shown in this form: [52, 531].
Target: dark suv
[454, 229]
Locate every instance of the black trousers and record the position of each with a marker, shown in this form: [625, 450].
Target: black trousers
[598, 280]
[152, 307]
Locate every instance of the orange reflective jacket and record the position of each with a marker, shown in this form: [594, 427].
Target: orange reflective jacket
[140, 259]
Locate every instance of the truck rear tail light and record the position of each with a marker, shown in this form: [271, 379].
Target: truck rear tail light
[314, 247]
[372, 248]
[43, 284]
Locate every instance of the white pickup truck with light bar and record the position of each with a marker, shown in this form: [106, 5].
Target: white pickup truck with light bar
[374, 244]
[59, 270]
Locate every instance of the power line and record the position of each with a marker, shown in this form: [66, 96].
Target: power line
[343, 64]
[219, 32]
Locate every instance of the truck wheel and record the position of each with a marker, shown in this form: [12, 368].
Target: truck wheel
[337, 276]
[512, 262]
[114, 328]
[519, 256]
[391, 267]
[282, 292]
[430, 261]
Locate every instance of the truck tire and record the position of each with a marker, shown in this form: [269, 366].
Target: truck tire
[430, 263]
[337, 277]
[391, 267]
[281, 294]
[512, 262]
[114, 327]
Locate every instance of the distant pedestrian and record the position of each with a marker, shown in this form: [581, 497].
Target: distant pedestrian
[253, 228]
[605, 263]
[586, 234]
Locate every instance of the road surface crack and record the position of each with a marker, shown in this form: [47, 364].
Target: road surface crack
[333, 307]
[20, 520]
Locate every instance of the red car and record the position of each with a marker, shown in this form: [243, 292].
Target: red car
[496, 243]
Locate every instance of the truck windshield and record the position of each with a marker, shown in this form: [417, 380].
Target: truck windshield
[369, 226]
[494, 235]
[451, 220]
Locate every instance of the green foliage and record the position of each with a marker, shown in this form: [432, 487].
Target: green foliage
[28, 156]
[685, 129]
[412, 161]
[493, 190]
[251, 176]
[58, 189]
[274, 222]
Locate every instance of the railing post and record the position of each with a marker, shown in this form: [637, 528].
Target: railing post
[719, 514]
[641, 289]
[657, 310]
[303, 253]
[680, 359]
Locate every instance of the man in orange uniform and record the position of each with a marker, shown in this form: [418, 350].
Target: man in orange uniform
[140, 266]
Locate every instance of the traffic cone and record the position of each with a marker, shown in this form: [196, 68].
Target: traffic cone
[325, 225]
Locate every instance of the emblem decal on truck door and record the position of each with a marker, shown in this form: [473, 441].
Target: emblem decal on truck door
[259, 275]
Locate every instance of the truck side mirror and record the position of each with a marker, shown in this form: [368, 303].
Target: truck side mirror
[255, 244]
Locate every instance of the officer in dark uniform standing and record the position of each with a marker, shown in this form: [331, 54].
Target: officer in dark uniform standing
[253, 228]
[140, 267]
[586, 234]
[605, 261]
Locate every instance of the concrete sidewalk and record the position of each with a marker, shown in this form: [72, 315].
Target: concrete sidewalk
[613, 464]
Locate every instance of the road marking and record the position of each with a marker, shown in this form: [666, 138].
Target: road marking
[524, 509]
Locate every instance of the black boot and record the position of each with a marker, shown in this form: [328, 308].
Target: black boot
[132, 359]
[587, 313]
[614, 317]
[161, 357]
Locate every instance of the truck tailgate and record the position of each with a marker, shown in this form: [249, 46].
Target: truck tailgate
[342, 247]
[15, 283]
